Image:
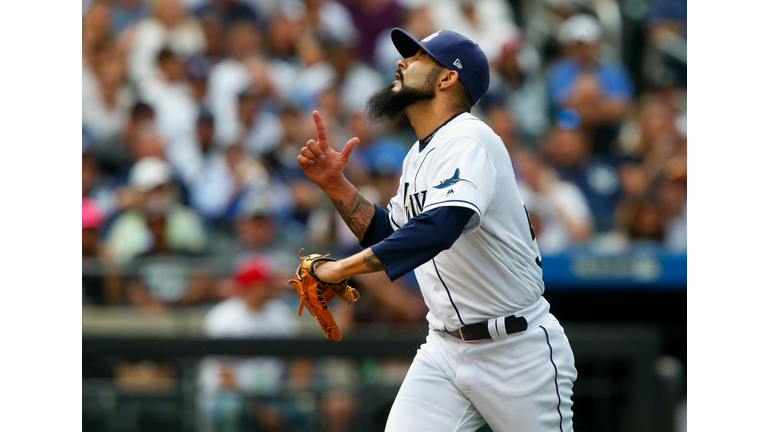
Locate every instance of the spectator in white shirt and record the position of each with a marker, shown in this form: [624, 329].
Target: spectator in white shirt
[169, 25]
[107, 97]
[253, 312]
[170, 94]
[259, 128]
[233, 75]
[559, 207]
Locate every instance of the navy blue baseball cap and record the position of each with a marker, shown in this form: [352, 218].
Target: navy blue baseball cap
[453, 51]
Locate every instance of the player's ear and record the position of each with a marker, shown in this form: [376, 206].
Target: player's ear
[448, 78]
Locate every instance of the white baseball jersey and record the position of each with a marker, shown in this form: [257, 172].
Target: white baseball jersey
[494, 268]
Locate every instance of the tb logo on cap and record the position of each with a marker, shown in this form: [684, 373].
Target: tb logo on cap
[432, 36]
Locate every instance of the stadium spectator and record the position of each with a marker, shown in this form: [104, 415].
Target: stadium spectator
[101, 284]
[563, 213]
[653, 122]
[416, 21]
[228, 175]
[372, 18]
[519, 85]
[281, 162]
[229, 11]
[230, 386]
[642, 219]
[328, 18]
[383, 160]
[107, 97]
[633, 179]
[667, 31]
[257, 126]
[215, 37]
[117, 156]
[487, 22]
[147, 143]
[672, 196]
[355, 80]
[170, 94]
[569, 150]
[190, 154]
[126, 13]
[96, 187]
[96, 27]
[598, 89]
[504, 123]
[297, 65]
[656, 146]
[141, 114]
[169, 25]
[282, 35]
[159, 223]
[148, 240]
[369, 135]
[259, 229]
[234, 76]
[198, 70]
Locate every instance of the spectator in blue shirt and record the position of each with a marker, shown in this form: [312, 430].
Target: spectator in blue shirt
[126, 13]
[568, 148]
[230, 11]
[598, 89]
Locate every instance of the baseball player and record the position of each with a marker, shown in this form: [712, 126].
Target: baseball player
[494, 353]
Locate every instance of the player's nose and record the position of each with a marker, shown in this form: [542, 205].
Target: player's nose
[401, 64]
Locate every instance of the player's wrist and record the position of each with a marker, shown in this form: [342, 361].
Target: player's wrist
[328, 272]
[338, 188]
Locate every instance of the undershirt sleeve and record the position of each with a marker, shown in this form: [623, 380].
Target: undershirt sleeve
[378, 229]
[421, 239]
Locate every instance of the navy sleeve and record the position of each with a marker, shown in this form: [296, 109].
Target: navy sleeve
[421, 239]
[378, 229]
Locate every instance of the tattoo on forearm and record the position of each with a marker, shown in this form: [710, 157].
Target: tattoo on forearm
[372, 263]
[357, 214]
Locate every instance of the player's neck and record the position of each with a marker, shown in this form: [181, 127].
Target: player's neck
[428, 116]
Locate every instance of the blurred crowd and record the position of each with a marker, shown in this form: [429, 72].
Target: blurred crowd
[194, 112]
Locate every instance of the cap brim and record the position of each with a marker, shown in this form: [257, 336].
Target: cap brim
[407, 46]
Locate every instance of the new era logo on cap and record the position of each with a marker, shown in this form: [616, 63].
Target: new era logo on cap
[446, 48]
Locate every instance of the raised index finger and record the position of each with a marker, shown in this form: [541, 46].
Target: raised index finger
[321, 138]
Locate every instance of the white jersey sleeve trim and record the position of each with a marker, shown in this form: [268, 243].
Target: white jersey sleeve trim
[392, 222]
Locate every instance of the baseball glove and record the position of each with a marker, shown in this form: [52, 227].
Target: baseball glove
[315, 294]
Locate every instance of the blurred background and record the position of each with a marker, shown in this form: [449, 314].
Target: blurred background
[194, 207]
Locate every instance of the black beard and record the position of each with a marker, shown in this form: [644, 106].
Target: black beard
[386, 104]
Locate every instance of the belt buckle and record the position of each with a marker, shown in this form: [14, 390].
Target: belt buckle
[461, 332]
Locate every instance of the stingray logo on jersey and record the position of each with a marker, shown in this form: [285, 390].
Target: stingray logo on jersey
[452, 181]
[414, 203]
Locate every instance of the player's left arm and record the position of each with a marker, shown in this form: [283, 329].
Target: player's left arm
[418, 241]
[359, 263]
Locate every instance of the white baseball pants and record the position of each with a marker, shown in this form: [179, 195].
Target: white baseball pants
[522, 383]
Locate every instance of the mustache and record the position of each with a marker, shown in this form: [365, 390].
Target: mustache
[399, 74]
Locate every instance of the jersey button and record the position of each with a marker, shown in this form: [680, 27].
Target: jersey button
[452, 322]
[437, 288]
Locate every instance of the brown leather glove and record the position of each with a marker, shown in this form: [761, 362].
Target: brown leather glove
[315, 294]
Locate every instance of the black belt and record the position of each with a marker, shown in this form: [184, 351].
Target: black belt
[479, 331]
